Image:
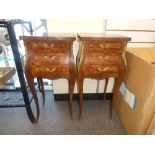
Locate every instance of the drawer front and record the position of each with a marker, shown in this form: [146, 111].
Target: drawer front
[101, 45]
[103, 58]
[49, 58]
[101, 69]
[50, 71]
[47, 46]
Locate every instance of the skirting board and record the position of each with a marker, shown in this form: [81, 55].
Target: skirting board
[86, 96]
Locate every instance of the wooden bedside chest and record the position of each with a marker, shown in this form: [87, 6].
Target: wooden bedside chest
[50, 58]
[101, 56]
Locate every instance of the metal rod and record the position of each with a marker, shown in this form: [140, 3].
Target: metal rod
[14, 46]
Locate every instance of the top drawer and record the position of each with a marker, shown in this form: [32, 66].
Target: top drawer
[47, 46]
[101, 45]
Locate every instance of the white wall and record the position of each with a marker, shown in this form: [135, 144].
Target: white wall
[139, 24]
[78, 25]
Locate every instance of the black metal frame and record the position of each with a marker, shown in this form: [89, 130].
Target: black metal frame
[12, 36]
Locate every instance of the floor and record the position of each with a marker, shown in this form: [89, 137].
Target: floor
[55, 119]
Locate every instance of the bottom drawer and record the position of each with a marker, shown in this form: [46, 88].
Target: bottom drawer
[50, 71]
[99, 70]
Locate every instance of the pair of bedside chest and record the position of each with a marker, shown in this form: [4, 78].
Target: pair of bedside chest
[100, 56]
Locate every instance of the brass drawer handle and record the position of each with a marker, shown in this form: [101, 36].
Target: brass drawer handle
[46, 69]
[45, 45]
[107, 57]
[104, 57]
[50, 58]
[100, 69]
[50, 70]
[107, 45]
[101, 57]
[104, 45]
[48, 46]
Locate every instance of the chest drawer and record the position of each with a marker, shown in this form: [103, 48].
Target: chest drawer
[47, 46]
[48, 71]
[101, 45]
[103, 58]
[50, 58]
[99, 70]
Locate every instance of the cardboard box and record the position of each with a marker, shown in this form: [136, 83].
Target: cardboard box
[140, 83]
[151, 129]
